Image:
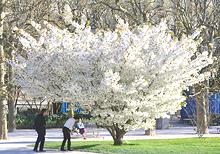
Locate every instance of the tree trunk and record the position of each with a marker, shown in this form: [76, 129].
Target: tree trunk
[118, 141]
[201, 109]
[207, 102]
[3, 100]
[11, 115]
[150, 132]
[12, 94]
[12, 90]
[117, 134]
[70, 112]
[3, 120]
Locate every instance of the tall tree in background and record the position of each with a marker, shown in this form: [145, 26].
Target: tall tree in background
[185, 17]
[3, 96]
[19, 13]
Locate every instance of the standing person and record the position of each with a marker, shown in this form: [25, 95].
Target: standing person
[81, 127]
[40, 127]
[67, 128]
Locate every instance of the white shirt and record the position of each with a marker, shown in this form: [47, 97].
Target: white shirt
[70, 123]
[80, 125]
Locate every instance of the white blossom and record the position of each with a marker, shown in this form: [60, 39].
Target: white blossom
[124, 77]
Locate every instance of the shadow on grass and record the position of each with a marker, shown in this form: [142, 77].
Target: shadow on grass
[85, 147]
[80, 147]
[129, 144]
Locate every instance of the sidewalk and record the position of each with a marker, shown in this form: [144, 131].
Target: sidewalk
[18, 141]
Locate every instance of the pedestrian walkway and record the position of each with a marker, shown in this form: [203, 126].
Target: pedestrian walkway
[19, 142]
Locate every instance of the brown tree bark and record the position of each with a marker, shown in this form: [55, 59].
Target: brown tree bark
[11, 113]
[201, 111]
[117, 134]
[12, 97]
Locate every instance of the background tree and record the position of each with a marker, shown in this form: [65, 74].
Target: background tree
[3, 98]
[19, 13]
[186, 16]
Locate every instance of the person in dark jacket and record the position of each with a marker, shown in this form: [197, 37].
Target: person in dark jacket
[40, 127]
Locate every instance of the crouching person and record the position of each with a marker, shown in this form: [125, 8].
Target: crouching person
[80, 126]
[40, 127]
[67, 128]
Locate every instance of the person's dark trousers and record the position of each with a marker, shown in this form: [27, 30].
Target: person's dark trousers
[66, 137]
[41, 140]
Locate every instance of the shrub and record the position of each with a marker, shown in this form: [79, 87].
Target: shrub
[26, 121]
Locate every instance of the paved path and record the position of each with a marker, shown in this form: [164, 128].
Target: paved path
[18, 142]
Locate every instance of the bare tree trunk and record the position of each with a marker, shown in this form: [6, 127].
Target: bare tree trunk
[201, 109]
[207, 102]
[70, 112]
[3, 100]
[12, 94]
[11, 110]
[11, 116]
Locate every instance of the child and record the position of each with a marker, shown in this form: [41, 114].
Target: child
[80, 126]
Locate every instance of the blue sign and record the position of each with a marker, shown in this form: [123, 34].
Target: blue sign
[190, 110]
[64, 107]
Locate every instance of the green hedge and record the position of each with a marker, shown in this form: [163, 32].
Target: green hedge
[214, 120]
[26, 121]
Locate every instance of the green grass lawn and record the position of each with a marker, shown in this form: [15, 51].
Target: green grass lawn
[165, 146]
